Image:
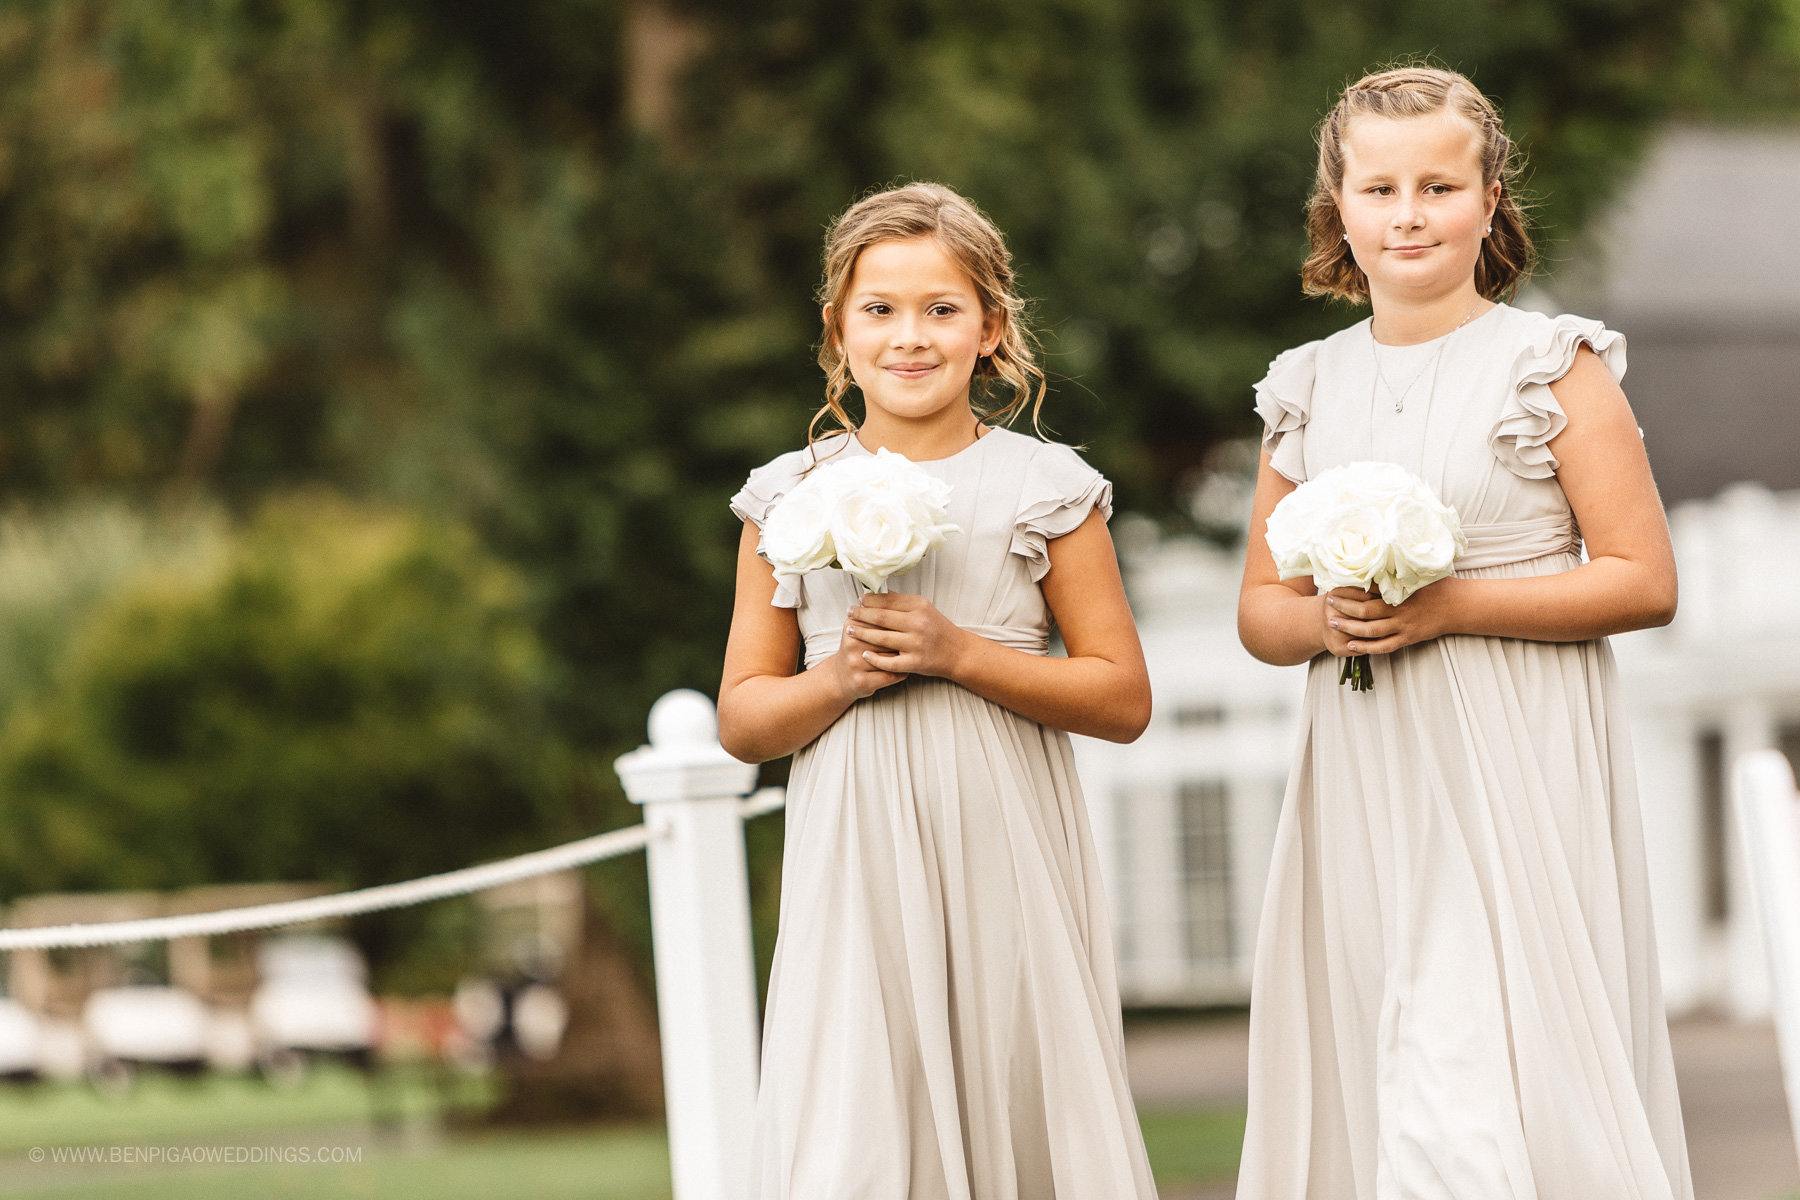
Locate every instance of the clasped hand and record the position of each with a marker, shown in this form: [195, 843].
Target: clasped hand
[891, 635]
[1359, 622]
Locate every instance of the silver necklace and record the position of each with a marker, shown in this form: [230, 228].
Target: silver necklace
[1429, 365]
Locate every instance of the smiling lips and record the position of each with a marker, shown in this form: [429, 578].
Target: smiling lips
[911, 370]
[1410, 251]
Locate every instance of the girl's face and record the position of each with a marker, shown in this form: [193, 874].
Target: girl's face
[1414, 204]
[913, 328]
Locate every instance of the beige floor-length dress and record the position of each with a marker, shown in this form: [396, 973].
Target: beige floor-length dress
[1456, 990]
[943, 1014]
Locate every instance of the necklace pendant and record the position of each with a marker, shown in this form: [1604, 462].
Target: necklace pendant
[1399, 404]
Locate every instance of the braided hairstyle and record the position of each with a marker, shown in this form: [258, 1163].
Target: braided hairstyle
[1507, 255]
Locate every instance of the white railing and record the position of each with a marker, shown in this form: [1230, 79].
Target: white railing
[1768, 813]
[693, 795]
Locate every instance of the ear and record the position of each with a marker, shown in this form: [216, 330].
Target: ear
[990, 331]
[830, 331]
[1493, 201]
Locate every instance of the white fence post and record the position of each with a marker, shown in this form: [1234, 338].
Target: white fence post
[1768, 812]
[700, 921]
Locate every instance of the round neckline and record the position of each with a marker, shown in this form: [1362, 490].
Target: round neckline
[992, 431]
[1377, 342]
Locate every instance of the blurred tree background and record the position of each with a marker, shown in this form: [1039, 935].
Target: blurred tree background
[376, 373]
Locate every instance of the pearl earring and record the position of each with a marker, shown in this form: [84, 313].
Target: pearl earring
[1346, 237]
[1490, 229]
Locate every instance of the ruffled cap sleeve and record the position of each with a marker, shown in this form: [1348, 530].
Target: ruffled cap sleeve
[1060, 491]
[1531, 418]
[1284, 402]
[766, 485]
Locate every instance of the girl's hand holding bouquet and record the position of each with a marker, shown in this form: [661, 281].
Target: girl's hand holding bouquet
[857, 675]
[906, 635]
[891, 635]
[874, 517]
[1360, 623]
[1361, 529]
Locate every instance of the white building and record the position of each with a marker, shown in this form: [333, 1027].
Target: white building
[1185, 818]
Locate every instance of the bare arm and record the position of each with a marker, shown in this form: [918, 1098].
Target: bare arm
[1627, 583]
[767, 706]
[1280, 622]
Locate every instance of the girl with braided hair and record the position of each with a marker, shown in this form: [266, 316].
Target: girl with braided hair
[1455, 993]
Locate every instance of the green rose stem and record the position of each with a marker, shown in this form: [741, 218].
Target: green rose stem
[1357, 673]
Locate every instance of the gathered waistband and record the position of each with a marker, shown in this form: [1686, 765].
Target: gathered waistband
[823, 644]
[1503, 542]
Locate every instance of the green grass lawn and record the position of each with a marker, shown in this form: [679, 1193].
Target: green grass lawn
[162, 1108]
[333, 1111]
[611, 1164]
[1193, 1146]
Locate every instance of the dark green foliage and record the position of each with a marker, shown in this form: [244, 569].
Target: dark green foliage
[349, 695]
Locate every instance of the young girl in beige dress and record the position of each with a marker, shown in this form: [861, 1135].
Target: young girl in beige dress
[943, 1018]
[1456, 992]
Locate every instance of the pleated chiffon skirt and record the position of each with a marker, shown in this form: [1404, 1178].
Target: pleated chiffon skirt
[954, 1032]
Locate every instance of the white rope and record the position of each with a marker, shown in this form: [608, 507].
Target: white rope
[374, 899]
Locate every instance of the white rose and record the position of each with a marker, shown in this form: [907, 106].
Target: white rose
[796, 535]
[924, 492]
[1295, 525]
[1352, 550]
[876, 536]
[1426, 536]
[931, 492]
[929, 516]
[926, 497]
[883, 469]
[1375, 483]
[844, 474]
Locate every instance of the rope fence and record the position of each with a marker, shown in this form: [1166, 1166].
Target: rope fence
[366, 900]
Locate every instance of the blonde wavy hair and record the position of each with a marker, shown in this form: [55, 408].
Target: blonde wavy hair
[1507, 255]
[974, 244]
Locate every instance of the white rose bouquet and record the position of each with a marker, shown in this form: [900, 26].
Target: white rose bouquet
[874, 516]
[1368, 525]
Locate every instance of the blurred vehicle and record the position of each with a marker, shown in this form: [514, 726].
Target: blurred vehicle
[143, 1025]
[21, 1041]
[313, 1000]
